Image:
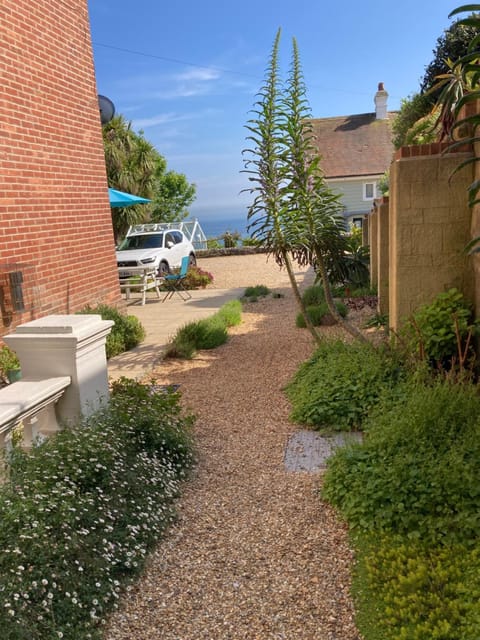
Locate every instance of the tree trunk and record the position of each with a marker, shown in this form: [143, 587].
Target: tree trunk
[296, 292]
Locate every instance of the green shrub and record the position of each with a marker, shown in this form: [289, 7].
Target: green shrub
[434, 330]
[257, 291]
[82, 510]
[313, 295]
[126, 333]
[417, 472]
[208, 333]
[317, 314]
[8, 361]
[340, 384]
[231, 313]
[407, 590]
[211, 333]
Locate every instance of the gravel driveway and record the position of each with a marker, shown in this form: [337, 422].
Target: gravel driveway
[254, 554]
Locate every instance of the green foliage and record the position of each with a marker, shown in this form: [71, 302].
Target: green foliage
[207, 333]
[257, 291]
[135, 166]
[8, 361]
[417, 472]
[412, 109]
[197, 278]
[318, 313]
[435, 331]
[81, 511]
[213, 243]
[466, 94]
[231, 313]
[340, 384]
[407, 590]
[250, 242]
[172, 195]
[313, 295]
[383, 184]
[126, 333]
[452, 45]
[294, 213]
[230, 239]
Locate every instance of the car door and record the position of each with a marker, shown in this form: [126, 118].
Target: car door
[175, 248]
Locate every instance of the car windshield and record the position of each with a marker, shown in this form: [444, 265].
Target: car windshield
[150, 241]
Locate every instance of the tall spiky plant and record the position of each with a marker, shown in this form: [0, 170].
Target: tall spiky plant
[315, 225]
[266, 169]
[294, 214]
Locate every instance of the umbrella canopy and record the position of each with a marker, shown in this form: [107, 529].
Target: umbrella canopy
[121, 199]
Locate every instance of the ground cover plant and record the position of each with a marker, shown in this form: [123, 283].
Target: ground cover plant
[340, 384]
[411, 496]
[207, 333]
[80, 512]
[126, 333]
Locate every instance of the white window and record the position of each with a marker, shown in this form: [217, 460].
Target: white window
[369, 190]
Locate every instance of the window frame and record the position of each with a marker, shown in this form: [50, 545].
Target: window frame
[374, 190]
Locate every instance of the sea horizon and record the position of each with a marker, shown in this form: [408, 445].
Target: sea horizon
[215, 227]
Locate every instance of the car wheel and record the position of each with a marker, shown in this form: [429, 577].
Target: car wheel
[193, 260]
[163, 269]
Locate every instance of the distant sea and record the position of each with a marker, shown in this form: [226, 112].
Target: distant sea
[216, 227]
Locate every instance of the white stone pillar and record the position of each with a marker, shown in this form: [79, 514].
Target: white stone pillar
[66, 345]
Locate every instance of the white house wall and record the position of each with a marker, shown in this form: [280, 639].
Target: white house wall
[352, 191]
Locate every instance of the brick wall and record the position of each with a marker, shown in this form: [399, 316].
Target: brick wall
[55, 221]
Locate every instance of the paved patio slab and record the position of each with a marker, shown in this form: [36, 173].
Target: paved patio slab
[309, 450]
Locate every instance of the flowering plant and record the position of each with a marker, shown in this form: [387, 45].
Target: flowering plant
[81, 510]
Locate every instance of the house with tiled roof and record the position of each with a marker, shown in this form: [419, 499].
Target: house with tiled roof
[355, 151]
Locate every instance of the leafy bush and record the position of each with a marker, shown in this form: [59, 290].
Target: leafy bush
[126, 333]
[340, 384]
[318, 313]
[8, 361]
[197, 278]
[81, 511]
[313, 295]
[408, 590]
[417, 472]
[258, 291]
[435, 330]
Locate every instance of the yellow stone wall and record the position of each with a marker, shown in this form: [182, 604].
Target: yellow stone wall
[429, 225]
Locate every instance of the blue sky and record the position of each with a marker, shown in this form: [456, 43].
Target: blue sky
[187, 73]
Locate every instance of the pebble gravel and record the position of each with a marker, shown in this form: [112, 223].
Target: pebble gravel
[254, 554]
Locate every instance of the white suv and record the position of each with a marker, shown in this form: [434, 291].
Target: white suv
[153, 245]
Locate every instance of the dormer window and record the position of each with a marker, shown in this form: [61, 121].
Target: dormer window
[369, 190]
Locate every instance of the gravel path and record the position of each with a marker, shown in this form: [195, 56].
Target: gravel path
[254, 554]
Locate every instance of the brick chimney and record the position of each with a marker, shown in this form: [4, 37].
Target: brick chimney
[381, 102]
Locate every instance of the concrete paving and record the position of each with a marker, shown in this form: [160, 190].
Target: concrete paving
[310, 450]
[161, 321]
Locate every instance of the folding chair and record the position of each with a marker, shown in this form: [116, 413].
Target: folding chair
[174, 281]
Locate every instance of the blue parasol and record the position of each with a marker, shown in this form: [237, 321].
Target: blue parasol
[121, 199]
